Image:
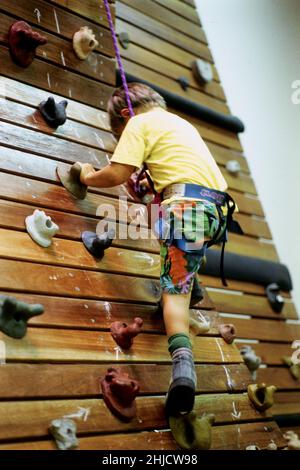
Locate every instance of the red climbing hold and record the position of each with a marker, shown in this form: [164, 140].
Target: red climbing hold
[228, 332]
[23, 42]
[123, 334]
[119, 393]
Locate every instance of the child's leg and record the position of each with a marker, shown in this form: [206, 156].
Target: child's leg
[178, 271]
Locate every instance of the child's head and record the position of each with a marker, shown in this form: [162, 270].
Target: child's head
[142, 98]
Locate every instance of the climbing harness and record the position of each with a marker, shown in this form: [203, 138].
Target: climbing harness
[193, 191]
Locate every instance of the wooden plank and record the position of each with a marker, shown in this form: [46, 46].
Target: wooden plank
[12, 216]
[26, 116]
[151, 60]
[181, 9]
[222, 155]
[57, 80]
[49, 146]
[61, 312]
[229, 437]
[253, 226]
[19, 246]
[242, 244]
[40, 279]
[168, 18]
[52, 196]
[253, 305]
[171, 85]
[32, 96]
[57, 21]
[60, 52]
[159, 46]
[279, 376]
[287, 403]
[39, 167]
[154, 27]
[267, 330]
[243, 183]
[270, 353]
[21, 420]
[189, 2]
[83, 380]
[248, 204]
[91, 9]
[58, 345]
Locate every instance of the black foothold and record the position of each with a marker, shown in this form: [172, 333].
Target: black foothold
[124, 39]
[54, 113]
[97, 244]
[184, 82]
[15, 314]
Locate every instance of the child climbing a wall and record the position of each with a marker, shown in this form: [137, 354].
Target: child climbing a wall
[184, 173]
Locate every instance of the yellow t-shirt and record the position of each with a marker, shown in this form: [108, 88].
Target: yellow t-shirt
[172, 149]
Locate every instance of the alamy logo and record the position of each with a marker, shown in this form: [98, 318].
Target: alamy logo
[295, 98]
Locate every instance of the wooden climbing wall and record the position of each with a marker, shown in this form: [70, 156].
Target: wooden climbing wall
[56, 369]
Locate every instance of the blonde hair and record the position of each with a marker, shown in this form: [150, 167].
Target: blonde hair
[141, 96]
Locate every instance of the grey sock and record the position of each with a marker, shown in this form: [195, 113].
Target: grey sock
[183, 365]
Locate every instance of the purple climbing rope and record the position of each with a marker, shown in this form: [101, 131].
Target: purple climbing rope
[118, 54]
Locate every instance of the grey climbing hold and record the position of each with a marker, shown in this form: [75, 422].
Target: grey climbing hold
[41, 228]
[202, 71]
[70, 179]
[276, 301]
[54, 113]
[192, 432]
[97, 244]
[294, 368]
[64, 432]
[183, 82]
[233, 166]
[84, 42]
[124, 39]
[15, 314]
[251, 360]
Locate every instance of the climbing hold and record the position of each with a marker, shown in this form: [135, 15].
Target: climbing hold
[41, 228]
[293, 440]
[54, 113]
[251, 360]
[253, 447]
[183, 82]
[97, 244]
[15, 314]
[70, 178]
[271, 446]
[123, 334]
[84, 42]
[202, 71]
[124, 39]
[23, 42]
[233, 166]
[197, 293]
[261, 396]
[275, 299]
[198, 327]
[64, 432]
[294, 368]
[119, 393]
[228, 332]
[192, 432]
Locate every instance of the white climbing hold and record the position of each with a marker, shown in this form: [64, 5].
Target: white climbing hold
[233, 166]
[84, 42]
[41, 228]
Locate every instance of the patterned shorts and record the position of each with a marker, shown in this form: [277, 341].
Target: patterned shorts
[198, 221]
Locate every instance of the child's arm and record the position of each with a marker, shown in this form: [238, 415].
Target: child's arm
[111, 175]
